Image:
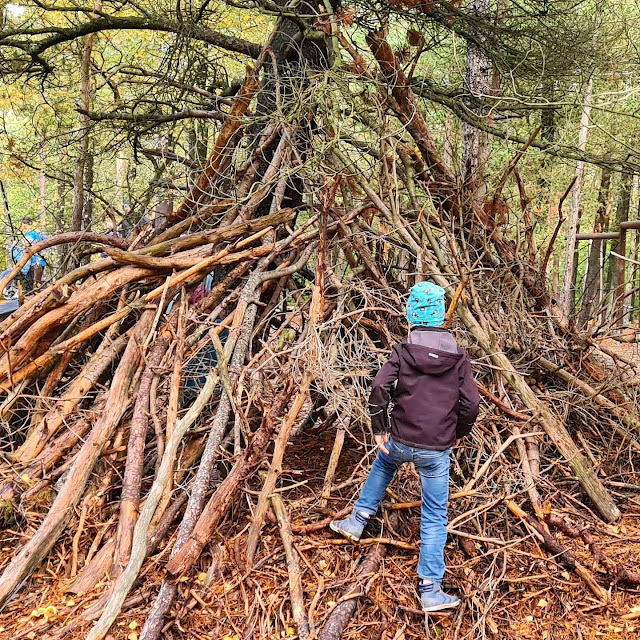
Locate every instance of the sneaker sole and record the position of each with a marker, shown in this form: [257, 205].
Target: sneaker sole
[343, 533]
[442, 607]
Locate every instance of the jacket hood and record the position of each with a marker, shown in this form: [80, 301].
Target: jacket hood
[431, 361]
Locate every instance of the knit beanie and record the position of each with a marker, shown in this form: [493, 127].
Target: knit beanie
[425, 306]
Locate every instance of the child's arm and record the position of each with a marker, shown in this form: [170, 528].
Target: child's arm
[381, 393]
[469, 402]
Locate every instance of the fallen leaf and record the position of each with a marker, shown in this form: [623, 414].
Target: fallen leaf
[133, 625]
[542, 603]
[44, 612]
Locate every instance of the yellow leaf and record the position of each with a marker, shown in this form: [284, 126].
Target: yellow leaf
[291, 631]
[331, 603]
[202, 577]
[542, 603]
[70, 603]
[529, 618]
[44, 612]
[133, 624]
[132, 636]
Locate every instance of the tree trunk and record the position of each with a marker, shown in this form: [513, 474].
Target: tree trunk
[594, 264]
[43, 185]
[475, 154]
[616, 280]
[567, 299]
[85, 123]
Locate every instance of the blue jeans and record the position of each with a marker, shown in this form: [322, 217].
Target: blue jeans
[433, 467]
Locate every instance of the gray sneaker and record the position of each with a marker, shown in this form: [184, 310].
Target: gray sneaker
[433, 598]
[351, 527]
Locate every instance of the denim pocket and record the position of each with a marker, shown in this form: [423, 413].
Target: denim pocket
[432, 464]
[394, 450]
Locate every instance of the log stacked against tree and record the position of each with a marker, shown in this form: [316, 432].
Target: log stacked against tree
[308, 295]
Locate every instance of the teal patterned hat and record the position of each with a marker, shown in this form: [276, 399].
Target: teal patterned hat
[425, 306]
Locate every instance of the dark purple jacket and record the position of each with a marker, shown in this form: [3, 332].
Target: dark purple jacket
[435, 397]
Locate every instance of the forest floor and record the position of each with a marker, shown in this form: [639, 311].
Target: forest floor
[511, 590]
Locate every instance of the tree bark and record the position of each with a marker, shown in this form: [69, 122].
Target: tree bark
[616, 279]
[567, 298]
[85, 123]
[594, 264]
[343, 611]
[475, 155]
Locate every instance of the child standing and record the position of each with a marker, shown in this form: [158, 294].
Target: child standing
[435, 403]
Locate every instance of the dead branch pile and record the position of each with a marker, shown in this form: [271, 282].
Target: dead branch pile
[172, 460]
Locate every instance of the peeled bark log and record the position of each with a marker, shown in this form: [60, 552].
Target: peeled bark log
[275, 469]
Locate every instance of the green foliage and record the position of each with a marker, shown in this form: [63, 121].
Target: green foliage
[163, 75]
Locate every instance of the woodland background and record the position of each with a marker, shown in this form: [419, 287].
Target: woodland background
[169, 463]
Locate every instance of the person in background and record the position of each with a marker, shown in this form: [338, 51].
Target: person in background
[429, 379]
[33, 271]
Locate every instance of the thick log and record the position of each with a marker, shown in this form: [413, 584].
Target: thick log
[62, 238]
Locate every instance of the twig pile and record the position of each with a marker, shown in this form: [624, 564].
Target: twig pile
[155, 439]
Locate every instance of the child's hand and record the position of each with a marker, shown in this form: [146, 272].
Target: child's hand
[381, 441]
